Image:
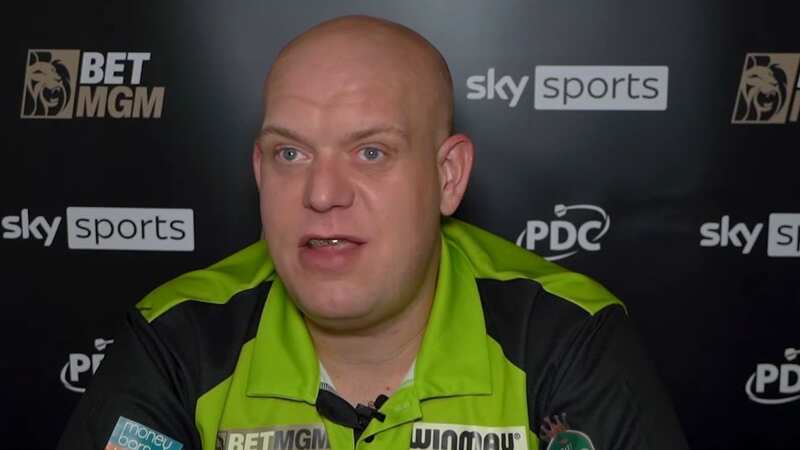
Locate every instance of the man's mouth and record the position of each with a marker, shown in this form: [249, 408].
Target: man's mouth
[330, 253]
[314, 242]
[317, 243]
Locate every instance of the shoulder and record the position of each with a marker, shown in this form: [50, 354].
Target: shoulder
[522, 274]
[536, 310]
[217, 284]
[564, 330]
[199, 321]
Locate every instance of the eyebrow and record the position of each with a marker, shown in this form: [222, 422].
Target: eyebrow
[363, 134]
[281, 131]
[349, 137]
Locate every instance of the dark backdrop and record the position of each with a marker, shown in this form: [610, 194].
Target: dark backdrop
[660, 179]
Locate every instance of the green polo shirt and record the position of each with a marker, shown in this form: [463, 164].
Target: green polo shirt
[224, 360]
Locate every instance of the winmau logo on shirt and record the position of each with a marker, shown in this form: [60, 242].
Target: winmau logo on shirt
[292, 437]
[437, 436]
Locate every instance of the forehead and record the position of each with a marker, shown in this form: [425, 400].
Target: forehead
[335, 97]
[342, 82]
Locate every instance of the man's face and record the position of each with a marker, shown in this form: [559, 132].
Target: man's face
[349, 186]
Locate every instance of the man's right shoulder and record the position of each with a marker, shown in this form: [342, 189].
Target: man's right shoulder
[195, 325]
[241, 274]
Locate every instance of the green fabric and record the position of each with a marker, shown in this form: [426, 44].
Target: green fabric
[461, 375]
[215, 284]
[287, 366]
[488, 256]
[492, 257]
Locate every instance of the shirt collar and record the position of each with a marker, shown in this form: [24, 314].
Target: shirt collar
[454, 356]
[326, 382]
[284, 363]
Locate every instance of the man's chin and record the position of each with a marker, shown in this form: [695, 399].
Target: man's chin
[337, 316]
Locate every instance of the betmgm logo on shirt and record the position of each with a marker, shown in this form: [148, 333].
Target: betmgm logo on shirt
[768, 84]
[66, 84]
[291, 437]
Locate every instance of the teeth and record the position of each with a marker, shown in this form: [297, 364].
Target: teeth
[316, 243]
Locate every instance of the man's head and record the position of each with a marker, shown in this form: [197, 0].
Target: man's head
[355, 165]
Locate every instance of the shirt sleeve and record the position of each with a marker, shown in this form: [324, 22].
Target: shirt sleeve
[140, 382]
[605, 390]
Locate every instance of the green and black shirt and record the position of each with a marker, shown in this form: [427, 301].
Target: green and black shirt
[518, 353]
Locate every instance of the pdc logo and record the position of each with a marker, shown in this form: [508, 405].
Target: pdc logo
[566, 238]
[768, 83]
[80, 366]
[66, 84]
[773, 384]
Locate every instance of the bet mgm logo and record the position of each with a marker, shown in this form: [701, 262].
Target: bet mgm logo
[769, 83]
[66, 84]
[50, 84]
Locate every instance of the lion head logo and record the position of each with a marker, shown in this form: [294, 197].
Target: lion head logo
[47, 85]
[762, 91]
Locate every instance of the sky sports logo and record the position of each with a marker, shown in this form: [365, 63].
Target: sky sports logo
[141, 229]
[783, 240]
[579, 88]
[108, 84]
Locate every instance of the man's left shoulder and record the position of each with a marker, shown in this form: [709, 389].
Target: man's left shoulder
[507, 273]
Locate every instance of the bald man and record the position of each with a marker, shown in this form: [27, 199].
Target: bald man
[367, 318]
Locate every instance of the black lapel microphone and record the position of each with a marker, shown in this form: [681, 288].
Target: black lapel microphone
[338, 410]
[368, 412]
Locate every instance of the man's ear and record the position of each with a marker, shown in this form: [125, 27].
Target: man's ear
[454, 160]
[257, 164]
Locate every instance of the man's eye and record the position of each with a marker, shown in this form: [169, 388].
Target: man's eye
[371, 153]
[288, 154]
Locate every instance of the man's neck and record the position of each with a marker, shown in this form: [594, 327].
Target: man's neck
[372, 361]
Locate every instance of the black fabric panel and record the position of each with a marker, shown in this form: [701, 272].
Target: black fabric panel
[591, 368]
[140, 380]
[508, 308]
[205, 338]
[156, 371]
[609, 389]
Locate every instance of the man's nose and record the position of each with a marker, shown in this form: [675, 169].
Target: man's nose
[328, 185]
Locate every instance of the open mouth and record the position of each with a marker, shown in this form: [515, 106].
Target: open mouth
[315, 242]
[329, 253]
[318, 243]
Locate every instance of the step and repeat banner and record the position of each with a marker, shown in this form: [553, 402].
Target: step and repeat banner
[654, 146]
